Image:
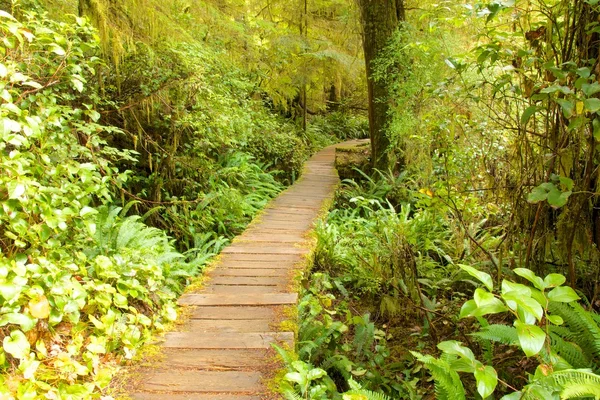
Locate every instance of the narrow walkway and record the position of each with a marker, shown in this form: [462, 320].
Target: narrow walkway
[223, 352]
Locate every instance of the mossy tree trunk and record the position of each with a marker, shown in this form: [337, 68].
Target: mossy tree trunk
[380, 18]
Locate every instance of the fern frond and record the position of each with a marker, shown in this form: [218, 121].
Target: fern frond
[498, 333]
[368, 394]
[569, 384]
[571, 352]
[448, 385]
[583, 329]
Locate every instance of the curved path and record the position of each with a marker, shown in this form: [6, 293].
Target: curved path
[223, 351]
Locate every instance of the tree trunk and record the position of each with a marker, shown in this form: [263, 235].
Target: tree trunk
[380, 18]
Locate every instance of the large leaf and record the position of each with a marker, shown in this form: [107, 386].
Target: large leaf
[16, 344]
[531, 338]
[527, 114]
[592, 104]
[487, 380]
[483, 277]
[562, 294]
[531, 277]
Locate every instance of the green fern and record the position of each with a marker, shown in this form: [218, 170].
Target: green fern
[448, 385]
[498, 333]
[582, 329]
[569, 384]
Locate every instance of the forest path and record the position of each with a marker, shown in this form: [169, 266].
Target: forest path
[223, 352]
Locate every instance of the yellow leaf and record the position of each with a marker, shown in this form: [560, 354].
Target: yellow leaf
[426, 192]
[39, 307]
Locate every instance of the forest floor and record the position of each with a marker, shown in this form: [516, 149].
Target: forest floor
[222, 350]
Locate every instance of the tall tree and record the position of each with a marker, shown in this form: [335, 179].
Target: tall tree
[380, 18]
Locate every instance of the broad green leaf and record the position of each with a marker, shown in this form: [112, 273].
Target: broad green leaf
[77, 84]
[590, 89]
[531, 277]
[85, 211]
[553, 280]
[9, 290]
[315, 373]
[487, 303]
[483, 277]
[526, 303]
[508, 286]
[512, 396]
[531, 338]
[468, 309]
[557, 88]
[56, 49]
[456, 348]
[592, 104]
[555, 319]
[295, 377]
[596, 126]
[24, 321]
[562, 294]
[568, 107]
[16, 344]
[539, 193]
[566, 182]
[558, 199]
[15, 190]
[527, 114]
[487, 380]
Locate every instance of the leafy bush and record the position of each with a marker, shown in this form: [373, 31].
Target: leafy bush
[537, 330]
[80, 285]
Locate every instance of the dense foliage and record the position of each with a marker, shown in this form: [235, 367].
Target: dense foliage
[459, 253]
[124, 166]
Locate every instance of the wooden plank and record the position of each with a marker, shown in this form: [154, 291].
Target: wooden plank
[192, 396]
[203, 381]
[214, 359]
[266, 249]
[261, 257]
[251, 264]
[282, 238]
[248, 280]
[243, 289]
[274, 272]
[226, 340]
[236, 312]
[232, 300]
[229, 325]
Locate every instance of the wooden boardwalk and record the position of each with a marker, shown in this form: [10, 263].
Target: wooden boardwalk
[224, 351]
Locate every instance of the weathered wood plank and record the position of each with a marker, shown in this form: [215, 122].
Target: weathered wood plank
[261, 257]
[192, 396]
[236, 312]
[229, 325]
[226, 340]
[228, 299]
[256, 264]
[241, 249]
[220, 359]
[242, 289]
[249, 272]
[248, 280]
[204, 381]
